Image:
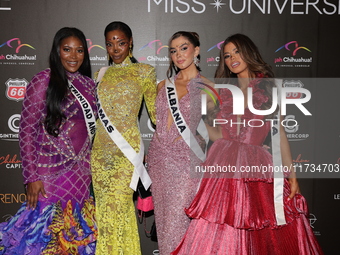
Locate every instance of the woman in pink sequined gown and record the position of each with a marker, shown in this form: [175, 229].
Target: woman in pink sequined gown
[234, 215]
[169, 157]
[58, 216]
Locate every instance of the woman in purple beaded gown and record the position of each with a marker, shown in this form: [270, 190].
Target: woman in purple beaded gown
[55, 141]
[170, 157]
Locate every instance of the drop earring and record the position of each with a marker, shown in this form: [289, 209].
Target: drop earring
[130, 51]
[196, 61]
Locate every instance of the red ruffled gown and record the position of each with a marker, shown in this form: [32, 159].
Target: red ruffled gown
[235, 214]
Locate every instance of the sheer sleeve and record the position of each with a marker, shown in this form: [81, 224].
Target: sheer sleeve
[32, 118]
[150, 92]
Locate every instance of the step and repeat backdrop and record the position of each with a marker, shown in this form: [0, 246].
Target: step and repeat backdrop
[298, 38]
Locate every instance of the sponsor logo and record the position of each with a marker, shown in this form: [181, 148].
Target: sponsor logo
[293, 50]
[293, 84]
[148, 136]
[7, 217]
[293, 55]
[156, 53]
[16, 89]
[312, 220]
[94, 50]
[150, 126]
[10, 198]
[16, 58]
[336, 196]
[292, 130]
[10, 162]
[299, 162]
[13, 124]
[213, 60]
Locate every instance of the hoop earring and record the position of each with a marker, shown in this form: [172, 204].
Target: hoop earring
[130, 52]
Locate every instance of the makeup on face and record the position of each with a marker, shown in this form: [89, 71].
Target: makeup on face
[71, 53]
[182, 52]
[234, 61]
[117, 45]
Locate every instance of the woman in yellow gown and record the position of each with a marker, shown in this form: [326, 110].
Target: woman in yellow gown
[121, 91]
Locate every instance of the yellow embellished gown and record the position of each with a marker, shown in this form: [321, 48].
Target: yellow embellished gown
[121, 92]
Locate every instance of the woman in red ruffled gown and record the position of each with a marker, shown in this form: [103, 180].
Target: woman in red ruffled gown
[235, 214]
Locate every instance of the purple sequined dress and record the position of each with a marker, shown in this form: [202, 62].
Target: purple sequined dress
[62, 223]
[169, 160]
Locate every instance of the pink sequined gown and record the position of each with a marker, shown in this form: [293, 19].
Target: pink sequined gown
[169, 159]
[236, 215]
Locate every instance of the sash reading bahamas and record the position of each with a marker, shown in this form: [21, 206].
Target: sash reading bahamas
[174, 109]
[104, 119]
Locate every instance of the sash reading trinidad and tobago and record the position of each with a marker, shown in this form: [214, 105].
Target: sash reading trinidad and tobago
[89, 117]
[135, 158]
[180, 123]
[277, 162]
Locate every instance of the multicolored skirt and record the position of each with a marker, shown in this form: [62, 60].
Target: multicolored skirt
[50, 230]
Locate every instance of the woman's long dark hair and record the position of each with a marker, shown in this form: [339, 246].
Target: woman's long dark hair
[58, 84]
[121, 26]
[256, 65]
[193, 38]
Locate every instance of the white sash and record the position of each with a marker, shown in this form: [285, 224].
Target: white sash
[89, 117]
[277, 163]
[135, 158]
[180, 123]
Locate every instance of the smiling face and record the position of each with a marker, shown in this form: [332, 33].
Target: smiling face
[71, 53]
[234, 61]
[182, 52]
[117, 45]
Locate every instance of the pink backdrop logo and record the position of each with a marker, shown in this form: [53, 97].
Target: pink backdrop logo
[293, 49]
[218, 46]
[159, 50]
[213, 60]
[91, 45]
[95, 57]
[291, 58]
[18, 45]
[155, 45]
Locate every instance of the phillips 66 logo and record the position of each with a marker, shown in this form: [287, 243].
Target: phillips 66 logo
[293, 84]
[16, 89]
